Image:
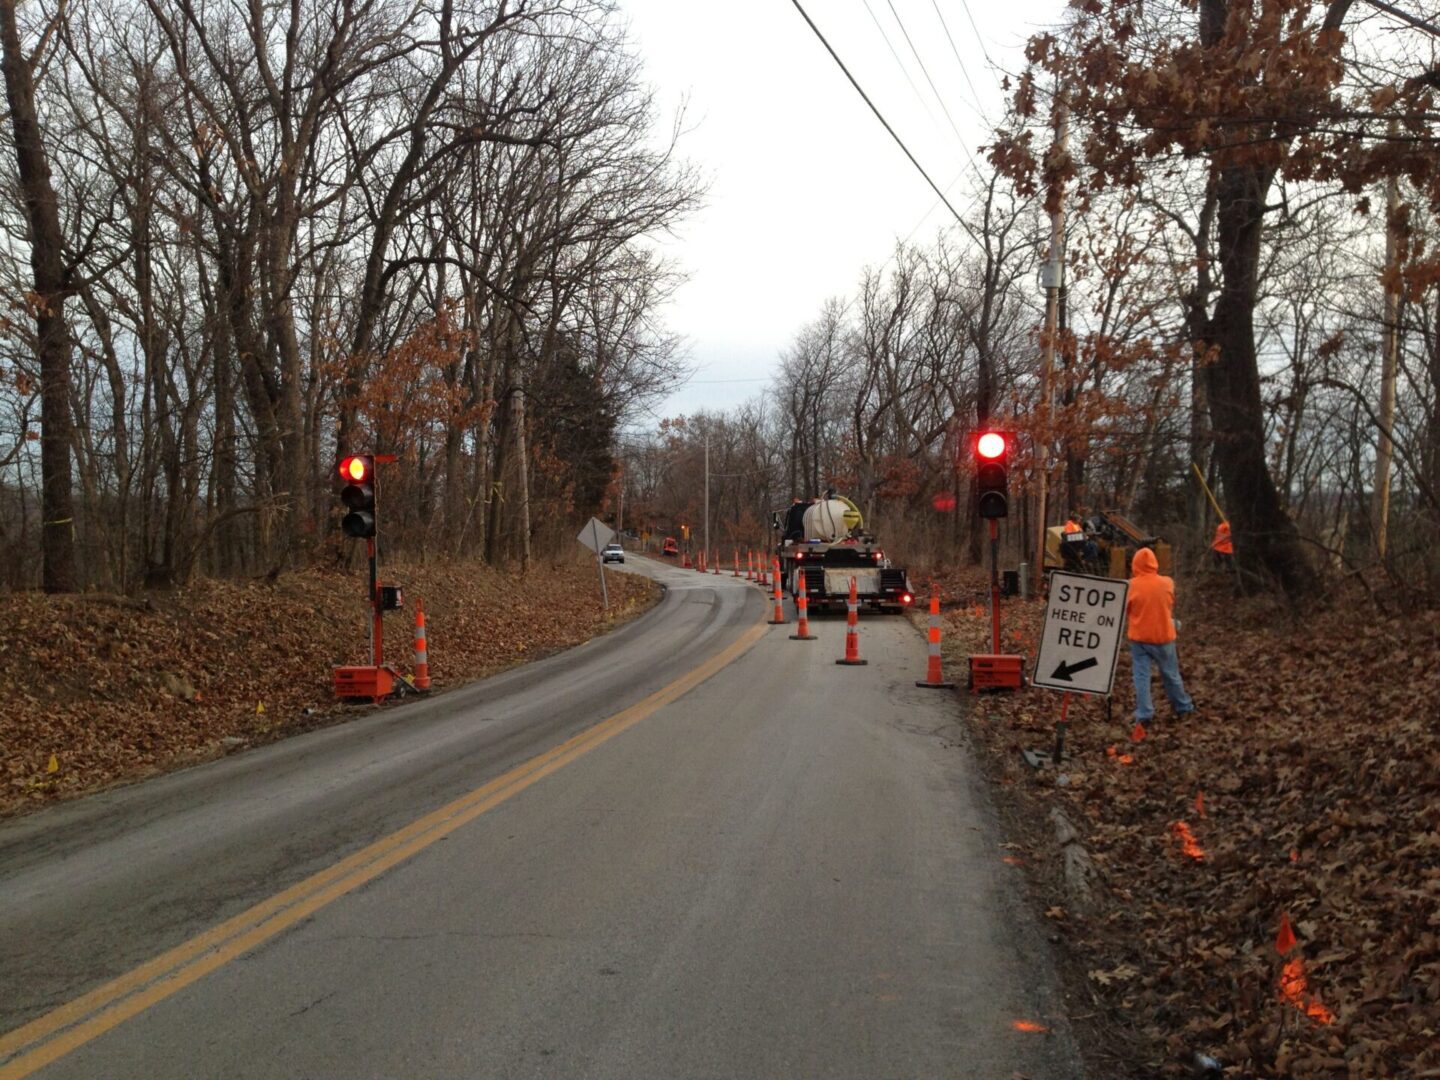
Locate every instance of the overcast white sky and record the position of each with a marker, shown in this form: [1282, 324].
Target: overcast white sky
[806, 186]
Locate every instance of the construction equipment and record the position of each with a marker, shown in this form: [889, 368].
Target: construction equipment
[824, 542]
[1104, 548]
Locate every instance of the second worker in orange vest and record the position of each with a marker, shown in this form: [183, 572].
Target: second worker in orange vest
[1223, 546]
[1151, 630]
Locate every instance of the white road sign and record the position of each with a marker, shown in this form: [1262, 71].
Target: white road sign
[595, 535]
[1083, 620]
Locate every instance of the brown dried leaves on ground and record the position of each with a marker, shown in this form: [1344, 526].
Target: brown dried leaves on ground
[1309, 780]
[98, 689]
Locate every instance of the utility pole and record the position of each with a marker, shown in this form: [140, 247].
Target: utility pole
[1390, 362]
[707, 495]
[1053, 279]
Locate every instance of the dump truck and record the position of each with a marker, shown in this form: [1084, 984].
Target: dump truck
[824, 540]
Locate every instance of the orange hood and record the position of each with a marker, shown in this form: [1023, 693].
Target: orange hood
[1144, 563]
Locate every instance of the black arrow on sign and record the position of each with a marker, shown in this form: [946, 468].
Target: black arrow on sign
[1064, 671]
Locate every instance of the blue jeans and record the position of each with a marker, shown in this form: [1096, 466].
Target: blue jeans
[1142, 655]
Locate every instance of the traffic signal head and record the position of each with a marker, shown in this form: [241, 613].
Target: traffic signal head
[992, 474]
[356, 469]
[358, 493]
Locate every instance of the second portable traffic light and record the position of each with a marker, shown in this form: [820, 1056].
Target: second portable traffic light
[358, 493]
[992, 474]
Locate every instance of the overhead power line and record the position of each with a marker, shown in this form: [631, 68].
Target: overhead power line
[898, 62]
[978, 40]
[878, 115]
[926, 72]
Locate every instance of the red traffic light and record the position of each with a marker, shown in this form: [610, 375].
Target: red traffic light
[990, 445]
[355, 469]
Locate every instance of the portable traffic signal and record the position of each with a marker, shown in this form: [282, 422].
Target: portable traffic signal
[992, 474]
[358, 473]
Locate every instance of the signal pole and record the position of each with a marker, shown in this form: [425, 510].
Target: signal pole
[359, 494]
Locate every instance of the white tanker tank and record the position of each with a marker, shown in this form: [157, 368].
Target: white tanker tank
[830, 520]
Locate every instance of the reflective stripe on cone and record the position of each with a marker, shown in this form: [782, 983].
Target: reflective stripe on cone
[422, 656]
[778, 618]
[934, 680]
[802, 604]
[852, 629]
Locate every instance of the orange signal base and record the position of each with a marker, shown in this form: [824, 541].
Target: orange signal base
[364, 681]
[991, 671]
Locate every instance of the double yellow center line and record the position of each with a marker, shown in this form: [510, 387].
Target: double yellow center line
[72, 1025]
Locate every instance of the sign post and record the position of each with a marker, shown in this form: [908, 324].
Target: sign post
[595, 535]
[1079, 644]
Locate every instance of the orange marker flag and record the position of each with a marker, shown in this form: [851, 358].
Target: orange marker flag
[1200, 803]
[1285, 939]
[1137, 733]
[1188, 844]
[1295, 989]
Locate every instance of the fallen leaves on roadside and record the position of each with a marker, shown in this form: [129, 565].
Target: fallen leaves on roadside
[1317, 743]
[98, 689]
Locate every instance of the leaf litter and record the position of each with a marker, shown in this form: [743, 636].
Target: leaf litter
[1316, 745]
[101, 689]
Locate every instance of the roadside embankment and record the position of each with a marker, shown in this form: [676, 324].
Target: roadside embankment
[1306, 785]
[98, 689]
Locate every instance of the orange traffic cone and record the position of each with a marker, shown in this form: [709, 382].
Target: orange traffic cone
[852, 628]
[422, 658]
[700, 563]
[749, 565]
[715, 563]
[933, 678]
[779, 617]
[802, 605]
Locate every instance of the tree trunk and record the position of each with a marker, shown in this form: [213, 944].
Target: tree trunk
[1266, 541]
[42, 213]
[984, 403]
[1390, 361]
[522, 468]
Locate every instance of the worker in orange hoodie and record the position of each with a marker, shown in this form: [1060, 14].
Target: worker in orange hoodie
[1223, 545]
[1151, 629]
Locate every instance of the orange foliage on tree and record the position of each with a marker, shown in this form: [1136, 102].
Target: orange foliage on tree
[407, 400]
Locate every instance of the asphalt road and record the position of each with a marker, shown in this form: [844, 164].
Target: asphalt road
[692, 848]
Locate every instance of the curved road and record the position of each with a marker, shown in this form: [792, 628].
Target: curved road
[690, 848]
